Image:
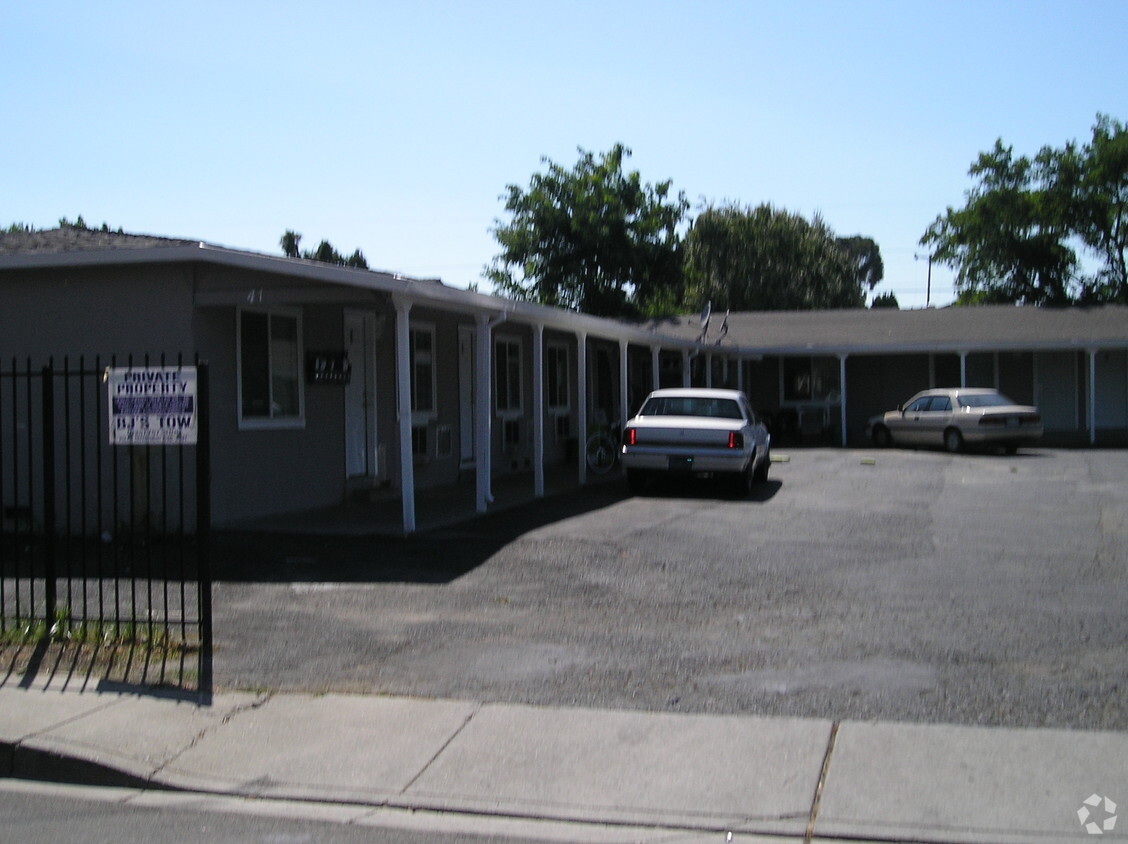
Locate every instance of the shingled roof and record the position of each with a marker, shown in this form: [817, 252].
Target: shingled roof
[861, 330]
[831, 332]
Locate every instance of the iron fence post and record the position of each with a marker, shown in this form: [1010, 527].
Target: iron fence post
[49, 518]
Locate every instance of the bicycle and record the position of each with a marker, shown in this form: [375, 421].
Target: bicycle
[602, 449]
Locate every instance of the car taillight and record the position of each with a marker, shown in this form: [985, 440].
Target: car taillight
[629, 436]
[736, 439]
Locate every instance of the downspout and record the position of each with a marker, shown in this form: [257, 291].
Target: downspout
[483, 424]
[1092, 396]
[538, 410]
[581, 405]
[842, 395]
[623, 389]
[403, 411]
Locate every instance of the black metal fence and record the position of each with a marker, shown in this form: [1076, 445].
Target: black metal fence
[103, 534]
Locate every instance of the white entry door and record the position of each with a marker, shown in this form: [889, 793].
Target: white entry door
[360, 396]
[466, 337]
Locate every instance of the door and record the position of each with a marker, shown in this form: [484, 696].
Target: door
[1056, 390]
[466, 340]
[913, 425]
[360, 396]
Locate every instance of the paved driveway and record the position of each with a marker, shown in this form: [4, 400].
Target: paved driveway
[856, 584]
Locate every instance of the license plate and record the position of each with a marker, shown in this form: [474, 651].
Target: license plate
[681, 464]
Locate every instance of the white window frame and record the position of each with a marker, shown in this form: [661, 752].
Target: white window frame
[559, 356]
[420, 417]
[271, 421]
[510, 410]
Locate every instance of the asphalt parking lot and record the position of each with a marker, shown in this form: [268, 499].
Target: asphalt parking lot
[855, 584]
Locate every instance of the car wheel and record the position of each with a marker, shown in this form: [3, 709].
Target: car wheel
[953, 441]
[742, 482]
[761, 473]
[882, 437]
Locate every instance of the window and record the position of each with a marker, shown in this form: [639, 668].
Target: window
[270, 384]
[812, 380]
[507, 377]
[559, 388]
[422, 364]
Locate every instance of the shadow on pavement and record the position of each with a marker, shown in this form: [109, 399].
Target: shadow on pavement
[436, 556]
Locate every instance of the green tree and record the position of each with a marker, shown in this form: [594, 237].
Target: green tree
[325, 253]
[865, 254]
[885, 300]
[763, 258]
[591, 239]
[1016, 238]
[1097, 181]
[1009, 243]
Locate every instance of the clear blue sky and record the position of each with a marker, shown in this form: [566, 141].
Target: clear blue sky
[394, 126]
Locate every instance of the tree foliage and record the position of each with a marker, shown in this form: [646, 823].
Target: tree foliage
[593, 239]
[764, 258]
[1016, 239]
[325, 253]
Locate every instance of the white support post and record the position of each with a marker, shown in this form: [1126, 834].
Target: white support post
[538, 410]
[403, 409]
[483, 417]
[842, 395]
[624, 387]
[581, 404]
[708, 369]
[963, 369]
[655, 364]
[687, 376]
[740, 374]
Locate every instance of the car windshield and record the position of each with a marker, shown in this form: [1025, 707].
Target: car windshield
[984, 400]
[691, 406]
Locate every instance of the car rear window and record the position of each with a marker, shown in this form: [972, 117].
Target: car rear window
[984, 400]
[691, 406]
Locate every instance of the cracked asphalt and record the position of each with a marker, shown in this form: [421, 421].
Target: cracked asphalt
[855, 584]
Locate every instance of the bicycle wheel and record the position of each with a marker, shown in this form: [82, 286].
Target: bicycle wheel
[600, 453]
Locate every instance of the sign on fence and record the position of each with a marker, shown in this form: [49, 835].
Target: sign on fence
[152, 405]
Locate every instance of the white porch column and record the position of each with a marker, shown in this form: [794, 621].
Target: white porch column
[842, 395]
[655, 363]
[581, 404]
[1092, 396]
[708, 369]
[623, 385]
[403, 410]
[687, 378]
[538, 410]
[483, 417]
[963, 369]
[740, 374]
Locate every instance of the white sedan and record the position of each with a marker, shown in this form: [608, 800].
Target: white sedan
[953, 418]
[687, 432]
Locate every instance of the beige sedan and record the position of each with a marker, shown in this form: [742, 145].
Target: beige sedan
[953, 418]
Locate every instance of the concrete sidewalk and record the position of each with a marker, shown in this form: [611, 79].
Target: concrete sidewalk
[571, 774]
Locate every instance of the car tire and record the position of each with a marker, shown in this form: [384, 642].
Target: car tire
[742, 482]
[881, 437]
[761, 473]
[953, 441]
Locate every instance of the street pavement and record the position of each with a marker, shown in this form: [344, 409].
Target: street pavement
[565, 774]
